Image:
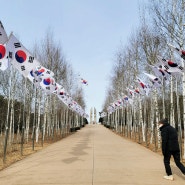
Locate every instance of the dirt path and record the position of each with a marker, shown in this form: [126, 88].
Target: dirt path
[92, 156]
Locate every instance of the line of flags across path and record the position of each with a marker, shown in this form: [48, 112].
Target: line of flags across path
[13, 52]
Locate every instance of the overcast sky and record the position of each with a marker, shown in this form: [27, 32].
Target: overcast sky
[90, 32]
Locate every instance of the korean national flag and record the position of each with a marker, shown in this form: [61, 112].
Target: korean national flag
[3, 57]
[57, 89]
[20, 57]
[3, 50]
[40, 72]
[37, 74]
[48, 85]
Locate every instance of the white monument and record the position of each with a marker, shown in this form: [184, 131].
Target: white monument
[93, 116]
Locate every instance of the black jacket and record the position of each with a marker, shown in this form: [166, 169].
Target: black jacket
[169, 139]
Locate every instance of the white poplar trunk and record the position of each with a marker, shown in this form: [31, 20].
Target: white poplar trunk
[11, 121]
[68, 123]
[116, 119]
[38, 119]
[183, 94]
[172, 122]
[77, 120]
[130, 122]
[122, 119]
[13, 126]
[163, 96]
[152, 121]
[134, 121]
[157, 118]
[57, 122]
[27, 126]
[141, 119]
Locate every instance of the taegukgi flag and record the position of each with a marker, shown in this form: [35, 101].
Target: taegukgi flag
[161, 71]
[170, 66]
[3, 50]
[32, 79]
[127, 99]
[57, 89]
[20, 57]
[145, 87]
[38, 73]
[42, 72]
[48, 85]
[3, 57]
[83, 81]
[155, 80]
[180, 51]
[61, 93]
[67, 100]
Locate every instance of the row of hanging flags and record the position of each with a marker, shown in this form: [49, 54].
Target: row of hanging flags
[12, 52]
[162, 72]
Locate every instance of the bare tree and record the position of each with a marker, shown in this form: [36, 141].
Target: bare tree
[169, 18]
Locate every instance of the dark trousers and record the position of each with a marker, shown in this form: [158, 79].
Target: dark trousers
[176, 156]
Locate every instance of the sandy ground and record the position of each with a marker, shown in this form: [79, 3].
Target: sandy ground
[92, 156]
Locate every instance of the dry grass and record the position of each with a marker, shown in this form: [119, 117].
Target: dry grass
[148, 145]
[15, 155]
[14, 150]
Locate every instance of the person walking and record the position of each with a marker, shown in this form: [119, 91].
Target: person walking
[170, 147]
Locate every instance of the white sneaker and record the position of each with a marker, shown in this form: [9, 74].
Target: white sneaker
[170, 177]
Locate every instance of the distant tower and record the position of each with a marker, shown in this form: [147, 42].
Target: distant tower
[95, 116]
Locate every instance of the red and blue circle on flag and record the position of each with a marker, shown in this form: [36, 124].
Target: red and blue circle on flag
[47, 81]
[2, 51]
[20, 56]
[40, 71]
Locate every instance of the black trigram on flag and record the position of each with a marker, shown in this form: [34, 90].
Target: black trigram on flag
[17, 45]
[23, 68]
[30, 60]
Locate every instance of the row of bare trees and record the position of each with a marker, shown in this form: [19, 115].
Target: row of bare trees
[161, 22]
[27, 113]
